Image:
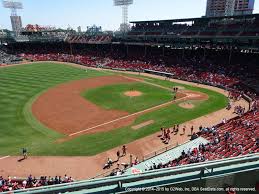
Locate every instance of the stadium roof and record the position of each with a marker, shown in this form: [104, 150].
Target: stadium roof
[201, 18]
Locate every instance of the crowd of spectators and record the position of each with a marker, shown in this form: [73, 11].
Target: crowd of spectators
[230, 138]
[239, 110]
[189, 73]
[6, 59]
[11, 184]
[239, 136]
[92, 62]
[193, 65]
[230, 27]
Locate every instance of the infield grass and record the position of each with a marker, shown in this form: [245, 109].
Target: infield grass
[21, 85]
[112, 97]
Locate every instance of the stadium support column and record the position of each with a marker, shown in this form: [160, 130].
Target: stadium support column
[12, 48]
[71, 49]
[163, 50]
[145, 50]
[45, 47]
[230, 55]
[127, 50]
[183, 53]
[204, 53]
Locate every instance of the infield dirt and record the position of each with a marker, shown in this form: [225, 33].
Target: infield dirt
[63, 109]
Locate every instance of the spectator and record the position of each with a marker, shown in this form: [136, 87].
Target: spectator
[124, 150]
[118, 155]
[24, 153]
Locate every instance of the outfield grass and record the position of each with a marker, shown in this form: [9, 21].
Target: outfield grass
[18, 87]
[21, 85]
[112, 97]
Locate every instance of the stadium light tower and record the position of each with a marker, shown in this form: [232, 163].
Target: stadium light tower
[15, 19]
[125, 5]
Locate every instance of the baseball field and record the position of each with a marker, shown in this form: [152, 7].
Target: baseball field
[55, 109]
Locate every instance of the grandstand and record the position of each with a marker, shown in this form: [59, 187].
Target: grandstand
[95, 39]
[214, 27]
[6, 59]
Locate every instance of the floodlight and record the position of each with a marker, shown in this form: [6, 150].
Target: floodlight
[124, 4]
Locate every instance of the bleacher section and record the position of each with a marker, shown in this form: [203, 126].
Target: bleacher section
[6, 59]
[236, 137]
[235, 26]
[243, 133]
[85, 39]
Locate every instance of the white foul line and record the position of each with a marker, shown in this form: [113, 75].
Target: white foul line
[125, 117]
[137, 113]
[4, 157]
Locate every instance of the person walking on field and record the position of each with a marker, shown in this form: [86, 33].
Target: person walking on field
[162, 131]
[168, 135]
[168, 131]
[184, 130]
[118, 155]
[24, 153]
[191, 130]
[124, 150]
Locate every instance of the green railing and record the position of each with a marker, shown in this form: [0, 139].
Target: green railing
[158, 177]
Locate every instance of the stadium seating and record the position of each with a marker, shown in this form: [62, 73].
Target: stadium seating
[9, 184]
[198, 27]
[212, 70]
[238, 136]
[6, 59]
[88, 39]
[61, 58]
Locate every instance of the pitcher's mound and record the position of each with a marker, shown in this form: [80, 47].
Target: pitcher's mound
[186, 105]
[132, 93]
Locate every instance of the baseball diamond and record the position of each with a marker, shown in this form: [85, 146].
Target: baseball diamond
[56, 106]
[150, 105]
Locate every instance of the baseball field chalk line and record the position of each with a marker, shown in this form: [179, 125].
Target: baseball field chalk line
[125, 117]
[4, 157]
[139, 80]
[137, 113]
